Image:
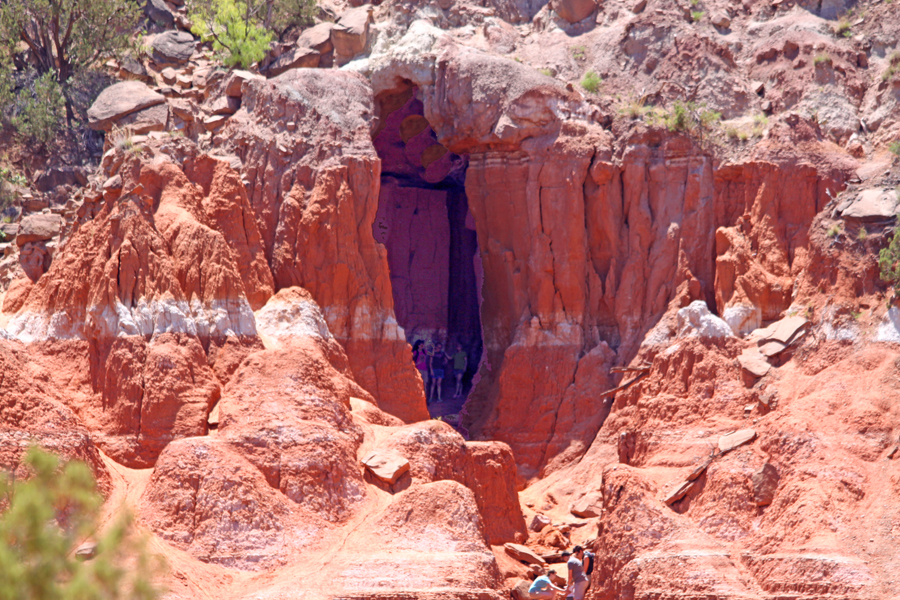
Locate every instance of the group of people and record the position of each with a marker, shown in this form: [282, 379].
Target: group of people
[433, 362]
[580, 565]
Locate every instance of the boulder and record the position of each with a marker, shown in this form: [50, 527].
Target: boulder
[295, 58]
[57, 176]
[764, 481]
[742, 318]
[720, 19]
[234, 85]
[538, 522]
[317, 37]
[172, 48]
[9, 230]
[524, 554]
[351, 33]
[141, 122]
[731, 441]
[38, 228]
[119, 100]
[159, 13]
[224, 105]
[871, 205]
[132, 69]
[574, 11]
[169, 75]
[754, 362]
[696, 320]
[386, 466]
[588, 506]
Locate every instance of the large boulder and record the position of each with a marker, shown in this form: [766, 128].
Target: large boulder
[696, 320]
[351, 33]
[38, 228]
[574, 11]
[295, 58]
[119, 100]
[172, 48]
[159, 13]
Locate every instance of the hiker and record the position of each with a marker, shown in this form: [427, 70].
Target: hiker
[420, 356]
[460, 362]
[542, 588]
[437, 363]
[578, 582]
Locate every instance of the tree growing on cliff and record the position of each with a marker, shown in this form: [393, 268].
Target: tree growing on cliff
[54, 42]
[889, 262]
[235, 29]
[44, 519]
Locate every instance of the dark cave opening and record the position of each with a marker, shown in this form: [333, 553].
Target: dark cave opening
[424, 222]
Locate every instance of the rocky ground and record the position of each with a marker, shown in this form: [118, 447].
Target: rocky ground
[690, 361]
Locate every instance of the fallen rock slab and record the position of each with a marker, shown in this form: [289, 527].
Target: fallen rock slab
[729, 442]
[295, 58]
[119, 100]
[679, 492]
[386, 466]
[524, 554]
[317, 37]
[753, 361]
[872, 205]
[234, 85]
[588, 506]
[38, 228]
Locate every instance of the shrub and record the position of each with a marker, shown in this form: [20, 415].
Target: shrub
[234, 29]
[40, 111]
[889, 262]
[697, 15]
[578, 52]
[547, 72]
[634, 109]
[64, 37]
[894, 147]
[822, 59]
[834, 231]
[843, 27]
[2, 237]
[862, 235]
[46, 517]
[591, 82]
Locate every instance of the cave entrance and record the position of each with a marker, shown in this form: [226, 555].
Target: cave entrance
[423, 220]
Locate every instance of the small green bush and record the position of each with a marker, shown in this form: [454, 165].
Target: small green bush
[591, 82]
[40, 111]
[49, 515]
[547, 72]
[822, 59]
[889, 262]
[578, 52]
[2, 237]
[862, 235]
[834, 231]
[894, 147]
[697, 15]
[234, 30]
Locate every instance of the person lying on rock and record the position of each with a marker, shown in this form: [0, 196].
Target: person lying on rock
[578, 582]
[542, 588]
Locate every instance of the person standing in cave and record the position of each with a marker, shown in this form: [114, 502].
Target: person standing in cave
[420, 356]
[460, 362]
[438, 364]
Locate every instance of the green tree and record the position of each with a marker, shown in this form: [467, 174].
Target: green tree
[235, 28]
[41, 109]
[889, 262]
[44, 520]
[64, 37]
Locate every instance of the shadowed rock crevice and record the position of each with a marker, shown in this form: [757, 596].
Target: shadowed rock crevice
[424, 222]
